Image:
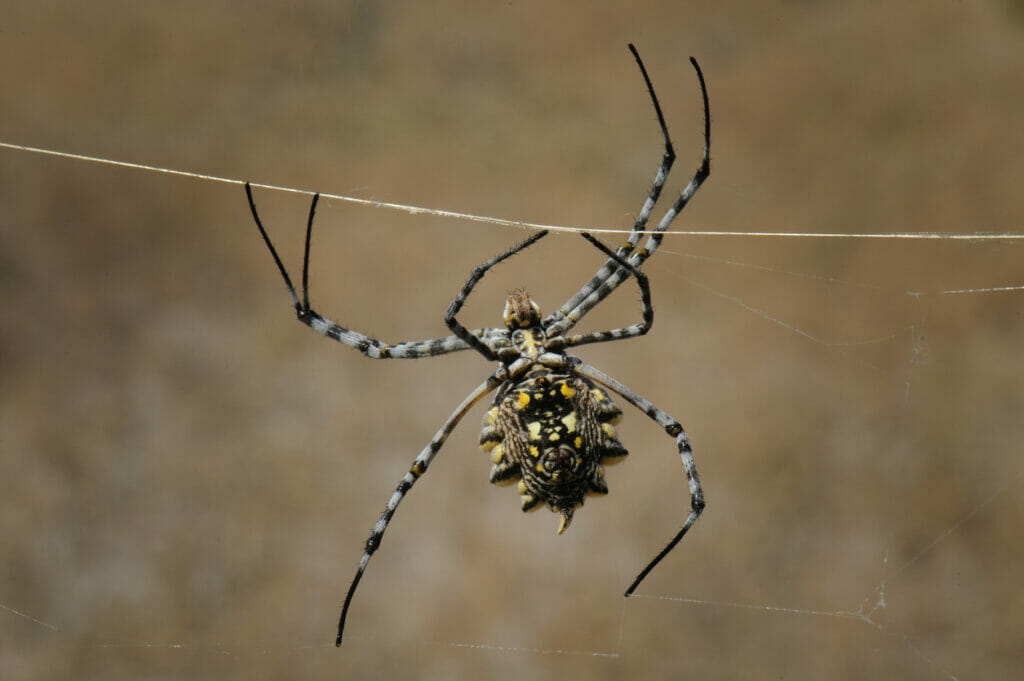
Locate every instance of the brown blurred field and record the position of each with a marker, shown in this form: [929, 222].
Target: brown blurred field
[187, 475]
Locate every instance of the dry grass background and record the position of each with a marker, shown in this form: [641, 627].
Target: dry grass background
[187, 475]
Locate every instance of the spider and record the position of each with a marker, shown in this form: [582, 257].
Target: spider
[551, 426]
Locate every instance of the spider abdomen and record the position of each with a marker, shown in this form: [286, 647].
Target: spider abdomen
[552, 432]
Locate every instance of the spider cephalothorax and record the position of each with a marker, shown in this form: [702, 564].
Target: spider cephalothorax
[551, 426]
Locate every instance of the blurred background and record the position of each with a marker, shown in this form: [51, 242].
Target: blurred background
[187, 474]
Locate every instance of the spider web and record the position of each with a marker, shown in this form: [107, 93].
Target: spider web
[188, 475]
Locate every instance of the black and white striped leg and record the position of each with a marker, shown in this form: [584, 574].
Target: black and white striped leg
[645, 210]
[674, 429]
[475, 276]
[702, 173]
[638, 329]
[371, 347]
[418, 468]
[598, 288]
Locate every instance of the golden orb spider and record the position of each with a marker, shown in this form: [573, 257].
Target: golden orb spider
[551, 425]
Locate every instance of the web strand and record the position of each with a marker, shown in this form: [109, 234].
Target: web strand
[420, 210]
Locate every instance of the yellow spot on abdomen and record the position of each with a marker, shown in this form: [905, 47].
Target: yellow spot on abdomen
[568, 392]
[570, 422]
[522, 399]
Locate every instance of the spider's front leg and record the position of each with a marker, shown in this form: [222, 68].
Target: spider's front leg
[475, 276]
[611, 274]
[371, 347]
[564, 322]
[638, 329]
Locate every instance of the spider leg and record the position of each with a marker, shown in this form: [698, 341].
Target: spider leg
[701, 174]
[611, 274]
[475, 276]
[669, 424]
[371, 347]
[418, 468]
[645, 210]
[637, 329]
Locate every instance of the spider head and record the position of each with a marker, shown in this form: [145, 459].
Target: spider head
[521, 312]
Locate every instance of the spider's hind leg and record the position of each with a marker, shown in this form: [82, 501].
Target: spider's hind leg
[674, 430]
[418, 468]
